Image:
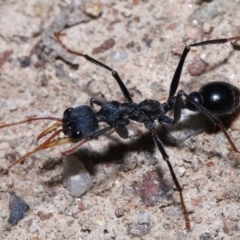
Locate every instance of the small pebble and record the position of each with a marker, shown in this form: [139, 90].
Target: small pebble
[107, 44]
[54, 108]
[3, 214]
[44, 216]
[119, 56]
[181, 170]
[13, 107]
[100, 221]
[177, 49]
[196, 68]
[130, 162]
[207, 27]
[119, 212]
[4, 57]
[229, 226]
[34, 228]
[138, 230]
[195, 164]
[93, 9]
[18, 207]
[207, 13]
[25, 62]
[205, 236]
[75, 176]
[44, 92]
[127, 12]
[143, 218]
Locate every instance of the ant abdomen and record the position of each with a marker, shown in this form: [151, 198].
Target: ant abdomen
[219, 98]
[79, 122]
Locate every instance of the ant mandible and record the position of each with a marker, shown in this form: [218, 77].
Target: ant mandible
[81, 124]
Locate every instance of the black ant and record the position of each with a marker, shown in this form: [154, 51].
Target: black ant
[81, 124]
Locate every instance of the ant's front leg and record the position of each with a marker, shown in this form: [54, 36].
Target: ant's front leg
[122, 86]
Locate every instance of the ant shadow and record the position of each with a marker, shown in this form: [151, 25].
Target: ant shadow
[195, 125]
[152, 188]
[117, 152]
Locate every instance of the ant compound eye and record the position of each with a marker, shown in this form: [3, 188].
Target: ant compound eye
[67, 112]
[75, 136]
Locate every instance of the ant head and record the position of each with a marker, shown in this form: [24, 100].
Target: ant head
[79, 122]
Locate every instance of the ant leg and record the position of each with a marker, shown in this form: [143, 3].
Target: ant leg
[92, 136]
[166, 121]
[176, 105]
[122, 86]
[212, 118]
[177, 74]
[95, 101]
[151, 126]
[174, 177]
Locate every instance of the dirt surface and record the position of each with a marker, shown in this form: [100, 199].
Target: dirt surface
[133, 195]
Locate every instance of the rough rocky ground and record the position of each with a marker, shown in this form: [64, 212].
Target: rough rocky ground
[133, 195]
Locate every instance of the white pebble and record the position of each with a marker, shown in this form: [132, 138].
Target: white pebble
[75, 177]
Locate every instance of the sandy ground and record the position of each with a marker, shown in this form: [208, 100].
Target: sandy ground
[133, 195]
